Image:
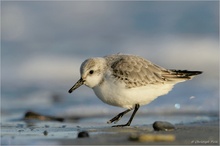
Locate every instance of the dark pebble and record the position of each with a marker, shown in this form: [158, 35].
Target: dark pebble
[45, 133]
[163, 126]
[83, 134]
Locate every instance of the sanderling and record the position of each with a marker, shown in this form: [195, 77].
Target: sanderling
[128, 81]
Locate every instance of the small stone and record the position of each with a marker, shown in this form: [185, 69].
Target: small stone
[163, 126]
[151, 137]
[45, 133]
[83, 134]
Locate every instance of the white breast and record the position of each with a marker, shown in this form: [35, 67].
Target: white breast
[116, 94]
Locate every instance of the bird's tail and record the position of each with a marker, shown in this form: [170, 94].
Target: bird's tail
[181, 75]
[185, 73]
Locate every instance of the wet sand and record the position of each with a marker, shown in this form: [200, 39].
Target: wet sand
[34, 132]
[190, 134]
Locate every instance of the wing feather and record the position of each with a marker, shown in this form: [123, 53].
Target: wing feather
[135, 71]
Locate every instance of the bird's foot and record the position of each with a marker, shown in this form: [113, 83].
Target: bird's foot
[123, 125]
[115, 119]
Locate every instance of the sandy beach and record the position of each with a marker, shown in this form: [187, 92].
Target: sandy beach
[38, 132]
[191, 134]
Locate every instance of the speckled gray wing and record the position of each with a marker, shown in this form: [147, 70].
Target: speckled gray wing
[135, 71]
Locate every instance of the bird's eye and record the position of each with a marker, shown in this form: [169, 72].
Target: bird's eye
[91, 72]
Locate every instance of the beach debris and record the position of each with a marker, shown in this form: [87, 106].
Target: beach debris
[45, 133]
[83, 134]
[163, 126]
[33, 115]
[152, 137]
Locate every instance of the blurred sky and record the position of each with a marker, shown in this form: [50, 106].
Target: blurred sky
[44, 43]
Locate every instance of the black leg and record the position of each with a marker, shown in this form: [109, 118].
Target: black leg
[131, 118]
[119, 116]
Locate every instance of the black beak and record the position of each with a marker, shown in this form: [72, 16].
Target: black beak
[77, 85]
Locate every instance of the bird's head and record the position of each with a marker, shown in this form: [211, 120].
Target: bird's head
[92, 71]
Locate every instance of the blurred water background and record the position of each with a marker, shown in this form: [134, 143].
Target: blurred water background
[44, 43]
